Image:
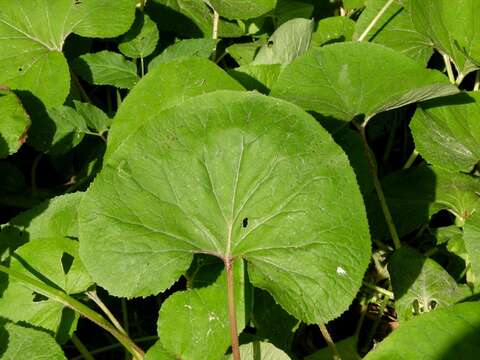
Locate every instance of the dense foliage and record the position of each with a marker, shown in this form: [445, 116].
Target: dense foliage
[239, 179]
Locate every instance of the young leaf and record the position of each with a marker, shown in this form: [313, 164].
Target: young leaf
[32, 35]
[472, 244]
[201, 48]
[95, 118]
[287, 43]
[141, 40]
[421, 285]
[18, 342]
[192, 324]
[238, 176]
[257, 77]
[106, 68]
[394, 30]
[260, 350]
[167, 85]
[14, 123]
[242, 9]
[450, 333]
[452, 27]
[333, 29]
[53, 261]
[447, 131]
[344, 80]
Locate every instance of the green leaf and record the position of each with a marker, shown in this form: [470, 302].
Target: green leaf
[347, 349]
[32, 35]
[471, 237]
[202, 48]
[415, 194]
[288, 42]
[333, 29]
[167, 85]
[344, 80]
[353, 4]
[18, 342]
[189, 19]
[450, 333]
[53, 261]
[291, 9]
[261, 351]
[193, 324]
[230, 174]
[56, 217]
[141, 40]
[57, 131]
[242, 9]
[394, 30]
[158, 352]
[452, 27]
[14, 123]
[94, 117]
[421, 285]
[244, 53]
[260, 77]
[106, 68]
[447, 131]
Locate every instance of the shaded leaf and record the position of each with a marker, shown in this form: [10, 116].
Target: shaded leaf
[106, 68]
[254, 179]
[333, 29]
[261, 351]
[344, 80]
[244, 53]
[291, 9]
[472, 244]
[447, 131]
[455, 332]
[242, 9]
[14, 123]
[94, 117]
[260, 77]
[347, 349]
[141, 40]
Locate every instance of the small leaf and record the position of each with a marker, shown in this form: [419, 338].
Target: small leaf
[452, 27]
[242, 9]
[472, 244]
[421, 285]
[394, 30]
[14, 123]
[260, 350]
[141, 40]
[186, 180]
[42, 259]
[167, 85]
[344, 80]
[454, 331]
[447, 131]
[202, 48]
[288, 42]
[95, 118]
[260, 77]
[18, 342]
[106, 68]
[333, 29]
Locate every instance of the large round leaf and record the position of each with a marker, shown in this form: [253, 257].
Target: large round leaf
[348, 79]
[238, 176]
[32, 35]
[447, 131]
[448, 334]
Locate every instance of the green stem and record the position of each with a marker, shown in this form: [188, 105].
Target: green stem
[448, 66]
[82, 349]
[92, 295]
[375, 20]
[379, 290]
[330, 342]
[411, 159]
[378, 186]
[476, 87]
[232, 314]
[125, 321]
[115, 346]
[373, 330]
[257, 351]
[77, 82]
[68, 301]
[142, 66]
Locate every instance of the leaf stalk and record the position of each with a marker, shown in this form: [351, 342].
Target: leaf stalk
[232, 314]
[372, 24]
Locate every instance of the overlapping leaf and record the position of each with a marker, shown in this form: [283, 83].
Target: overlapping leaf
[447, 131]
[230, 174]
[14, 123]
[333, 29]
[472, 244]
[32, 35]
[242, 9]
[141, 40]
[348, 79]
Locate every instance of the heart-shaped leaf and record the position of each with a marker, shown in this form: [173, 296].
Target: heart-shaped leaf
[13, 123]
[344, 80]
[167, 85]
[32, 35]
[452, 27]
[18, 342]
[447, 132]
[450, 333]
[238, 176]
[141, 40]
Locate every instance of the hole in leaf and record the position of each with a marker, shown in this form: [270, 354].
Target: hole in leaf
[20, 69]
[67, 261]
[270, 44]
[432, 305]
[39, 297]
[245, 222]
